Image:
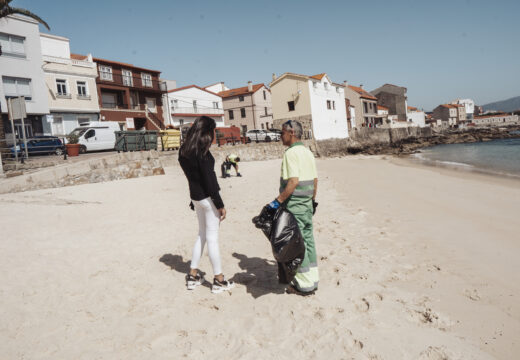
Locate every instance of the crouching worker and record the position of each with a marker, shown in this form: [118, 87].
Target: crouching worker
[231, 160]
[298, 187]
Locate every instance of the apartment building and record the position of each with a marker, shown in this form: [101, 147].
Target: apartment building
[449, 114]
[189, 102]
[70, 81]
[365, 104]
[496, 120]
[21, 74]
[415, 117]
[248, 107]
[315, 101]
[130, 95]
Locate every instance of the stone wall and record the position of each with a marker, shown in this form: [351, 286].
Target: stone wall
[115, 167]
[305, 120]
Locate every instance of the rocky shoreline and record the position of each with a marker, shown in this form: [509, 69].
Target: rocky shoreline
[413, 144]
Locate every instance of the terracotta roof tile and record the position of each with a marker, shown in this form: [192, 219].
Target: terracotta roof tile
[412, 108]
[362, 92]
[240, 91]
[78, 57]
[379, 107]
[318, 77]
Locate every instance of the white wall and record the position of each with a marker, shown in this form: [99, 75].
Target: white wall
[417, 117]
[205, 105]
[218, 87]
[328, 124]
[55, 46]
[28, 67]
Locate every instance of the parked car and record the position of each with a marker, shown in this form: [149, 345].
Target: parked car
[40, 145]
[97, 136]
[261, 135]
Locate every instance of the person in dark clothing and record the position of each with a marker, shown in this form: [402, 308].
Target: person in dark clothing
[198, 165]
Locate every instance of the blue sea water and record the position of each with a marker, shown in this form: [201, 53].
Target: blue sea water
[500, 157]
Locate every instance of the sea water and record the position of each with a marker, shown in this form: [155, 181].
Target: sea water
[500, 157]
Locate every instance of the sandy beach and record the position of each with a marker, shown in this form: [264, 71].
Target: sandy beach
[415, 263]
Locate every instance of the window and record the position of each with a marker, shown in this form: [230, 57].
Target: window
[82, 121]
[108, 101]
[265, 111]
[215, 104]
[328, 105]
[147, 80]
[241, 98]
[231, 116]
[262, 126]
[181, 121]
[243, 112]
[150, 102]
[14, 87]
[195, 105]
[105, 73]
[91, 133]
[82, 88]
[57, 126]
[315, 85]
[333, 105]
[326, 86]
[365, 107]
[61, 86]
[267, 125]
[12, 45]
[265, 96]
[290, 104]
[127, 78]
[244, 129]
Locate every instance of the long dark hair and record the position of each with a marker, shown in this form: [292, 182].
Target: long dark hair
[199, 137]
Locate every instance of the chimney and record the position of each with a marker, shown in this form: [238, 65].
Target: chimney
[345, 83]
[274, 76]
[361, 86]
[249, 86]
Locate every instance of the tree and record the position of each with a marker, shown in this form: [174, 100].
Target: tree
[6, 9]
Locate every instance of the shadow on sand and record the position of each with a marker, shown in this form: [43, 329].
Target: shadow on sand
[176, 262]
[260, 276]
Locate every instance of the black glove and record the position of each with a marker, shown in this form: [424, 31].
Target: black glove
[314, 206]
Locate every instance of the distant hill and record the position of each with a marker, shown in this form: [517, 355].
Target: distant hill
[508, 105]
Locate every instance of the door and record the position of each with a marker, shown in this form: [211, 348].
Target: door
[151, 104]
[91, 141]
[57, 126]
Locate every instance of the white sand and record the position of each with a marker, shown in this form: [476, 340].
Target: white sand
[415, 264]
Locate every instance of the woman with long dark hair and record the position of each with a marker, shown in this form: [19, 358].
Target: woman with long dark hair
[199, 167]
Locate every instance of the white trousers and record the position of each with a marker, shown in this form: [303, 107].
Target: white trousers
[209, 223]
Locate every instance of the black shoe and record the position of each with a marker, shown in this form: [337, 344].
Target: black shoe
[292, 290]
[239, 175]
[220, 286]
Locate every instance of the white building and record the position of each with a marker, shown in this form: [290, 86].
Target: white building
[21, 73]
[469, 106]
[71, 86]
[216, 88]
[415, 116]
[189, 102]
[315, 101]
[496, 120]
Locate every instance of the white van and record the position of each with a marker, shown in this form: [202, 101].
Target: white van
[97, 136]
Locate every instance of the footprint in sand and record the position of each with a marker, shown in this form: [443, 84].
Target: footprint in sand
[427, 316]
[434, 353]
[364, 304]
[472, 294]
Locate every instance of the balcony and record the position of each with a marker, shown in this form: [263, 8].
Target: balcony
[197, 110]
[66, 61]
[122, 106]
[134, 82]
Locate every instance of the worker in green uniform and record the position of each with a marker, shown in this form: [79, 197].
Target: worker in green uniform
[298, 187]
[231, 160]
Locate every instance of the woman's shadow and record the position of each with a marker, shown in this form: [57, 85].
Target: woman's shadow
[260, 276]
[176, 262]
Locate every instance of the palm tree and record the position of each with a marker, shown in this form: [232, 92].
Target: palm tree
[5, 10]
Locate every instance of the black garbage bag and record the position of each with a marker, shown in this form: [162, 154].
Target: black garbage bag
[282, 231]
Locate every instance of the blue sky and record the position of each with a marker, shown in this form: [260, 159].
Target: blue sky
[439, 50]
